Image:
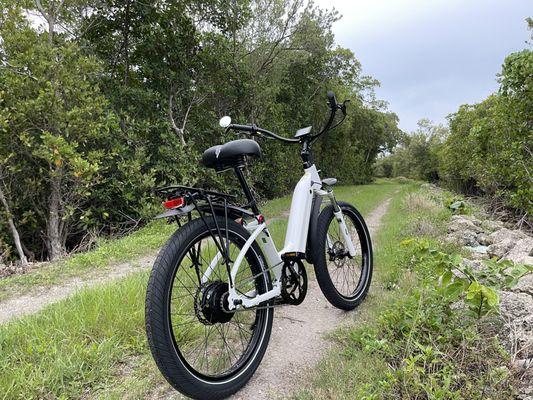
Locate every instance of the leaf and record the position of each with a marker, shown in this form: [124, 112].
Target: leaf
[446, 278]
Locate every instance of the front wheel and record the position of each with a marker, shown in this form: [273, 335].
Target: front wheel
[343, 279]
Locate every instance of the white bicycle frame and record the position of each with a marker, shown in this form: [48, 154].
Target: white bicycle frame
[307, 187]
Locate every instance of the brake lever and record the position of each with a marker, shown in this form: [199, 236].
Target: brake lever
[343, 106]
[227, 129]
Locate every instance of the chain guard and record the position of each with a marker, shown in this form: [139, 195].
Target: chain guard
[293, 282]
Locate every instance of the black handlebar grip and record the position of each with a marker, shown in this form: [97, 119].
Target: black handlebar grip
[245, 128]
[331, 99]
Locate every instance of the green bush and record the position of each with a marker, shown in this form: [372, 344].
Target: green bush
[488, 149]
[433, 347]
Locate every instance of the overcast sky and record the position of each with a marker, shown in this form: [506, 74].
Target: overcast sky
[431, 55]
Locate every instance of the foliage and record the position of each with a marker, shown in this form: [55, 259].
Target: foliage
[456, 280]
[489, 146]
[427, 341]
[151, 237]
[431, 353]
[432, 348]
[102, 101]
[416, 156]
[94, 341]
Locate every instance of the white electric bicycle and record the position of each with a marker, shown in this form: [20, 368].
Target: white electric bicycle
[215, 284]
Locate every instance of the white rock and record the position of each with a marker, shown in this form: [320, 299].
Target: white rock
[504, 233]
[521, 251]
[515, 305]
[492, 225]
[524, 285]
[464, 223]
[484, 239]
[501, 248]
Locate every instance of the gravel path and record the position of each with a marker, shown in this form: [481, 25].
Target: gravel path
[40, 298]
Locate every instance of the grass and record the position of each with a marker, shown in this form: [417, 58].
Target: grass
[408, 341]
[75, 344]
[108, 252]
[339, 377]
[93, 345]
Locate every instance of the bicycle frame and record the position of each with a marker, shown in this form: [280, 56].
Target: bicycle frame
[307, 187]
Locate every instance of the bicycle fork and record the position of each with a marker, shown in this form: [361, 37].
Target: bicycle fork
[337, 212]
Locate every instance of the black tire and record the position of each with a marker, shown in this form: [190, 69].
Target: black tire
[170, 346]
[329, 259]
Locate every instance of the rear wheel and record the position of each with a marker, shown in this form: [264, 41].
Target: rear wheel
[343, 279]
[204, 350]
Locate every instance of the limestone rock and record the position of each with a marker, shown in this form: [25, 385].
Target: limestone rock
[517, 313]
[476, 265]
[504, 233]
[516, 305]
[524, 285]
[484, 239]
[500, 249]
[503, 241]
[464, 223]
[491, 225]
[522, 251]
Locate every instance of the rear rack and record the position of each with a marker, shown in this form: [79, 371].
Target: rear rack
[205, 202]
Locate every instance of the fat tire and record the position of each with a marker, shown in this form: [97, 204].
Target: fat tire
[321, 268]
[157, 317]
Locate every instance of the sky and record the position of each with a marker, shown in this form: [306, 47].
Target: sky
[431, 56]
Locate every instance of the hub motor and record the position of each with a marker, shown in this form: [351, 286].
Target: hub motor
[211, 303]
[338, 254]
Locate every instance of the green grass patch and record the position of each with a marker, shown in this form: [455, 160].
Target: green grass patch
[75, 344]
[108, 252]
[152, 236]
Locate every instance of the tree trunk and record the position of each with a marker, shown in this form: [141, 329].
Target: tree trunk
[54, 242]
[13, 228]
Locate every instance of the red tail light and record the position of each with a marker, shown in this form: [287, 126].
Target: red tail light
[174, 203]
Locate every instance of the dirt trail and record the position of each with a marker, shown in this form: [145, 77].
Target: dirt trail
[40, 298]
[297, 339]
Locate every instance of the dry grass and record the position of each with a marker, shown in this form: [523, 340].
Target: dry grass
[420, 201]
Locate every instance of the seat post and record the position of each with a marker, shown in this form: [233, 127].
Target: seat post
[247, 192]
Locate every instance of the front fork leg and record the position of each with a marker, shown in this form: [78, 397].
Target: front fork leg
[342, 224]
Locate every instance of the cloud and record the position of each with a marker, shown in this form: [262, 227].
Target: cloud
[431, 56]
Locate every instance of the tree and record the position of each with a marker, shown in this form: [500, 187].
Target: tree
[489, 146]
[416, 155]
[9, 217]
[55, 116]
[105, 99]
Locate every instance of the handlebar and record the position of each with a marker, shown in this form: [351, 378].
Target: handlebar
[256, 131]
[333, 105]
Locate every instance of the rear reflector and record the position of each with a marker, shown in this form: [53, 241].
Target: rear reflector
[174, 203]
